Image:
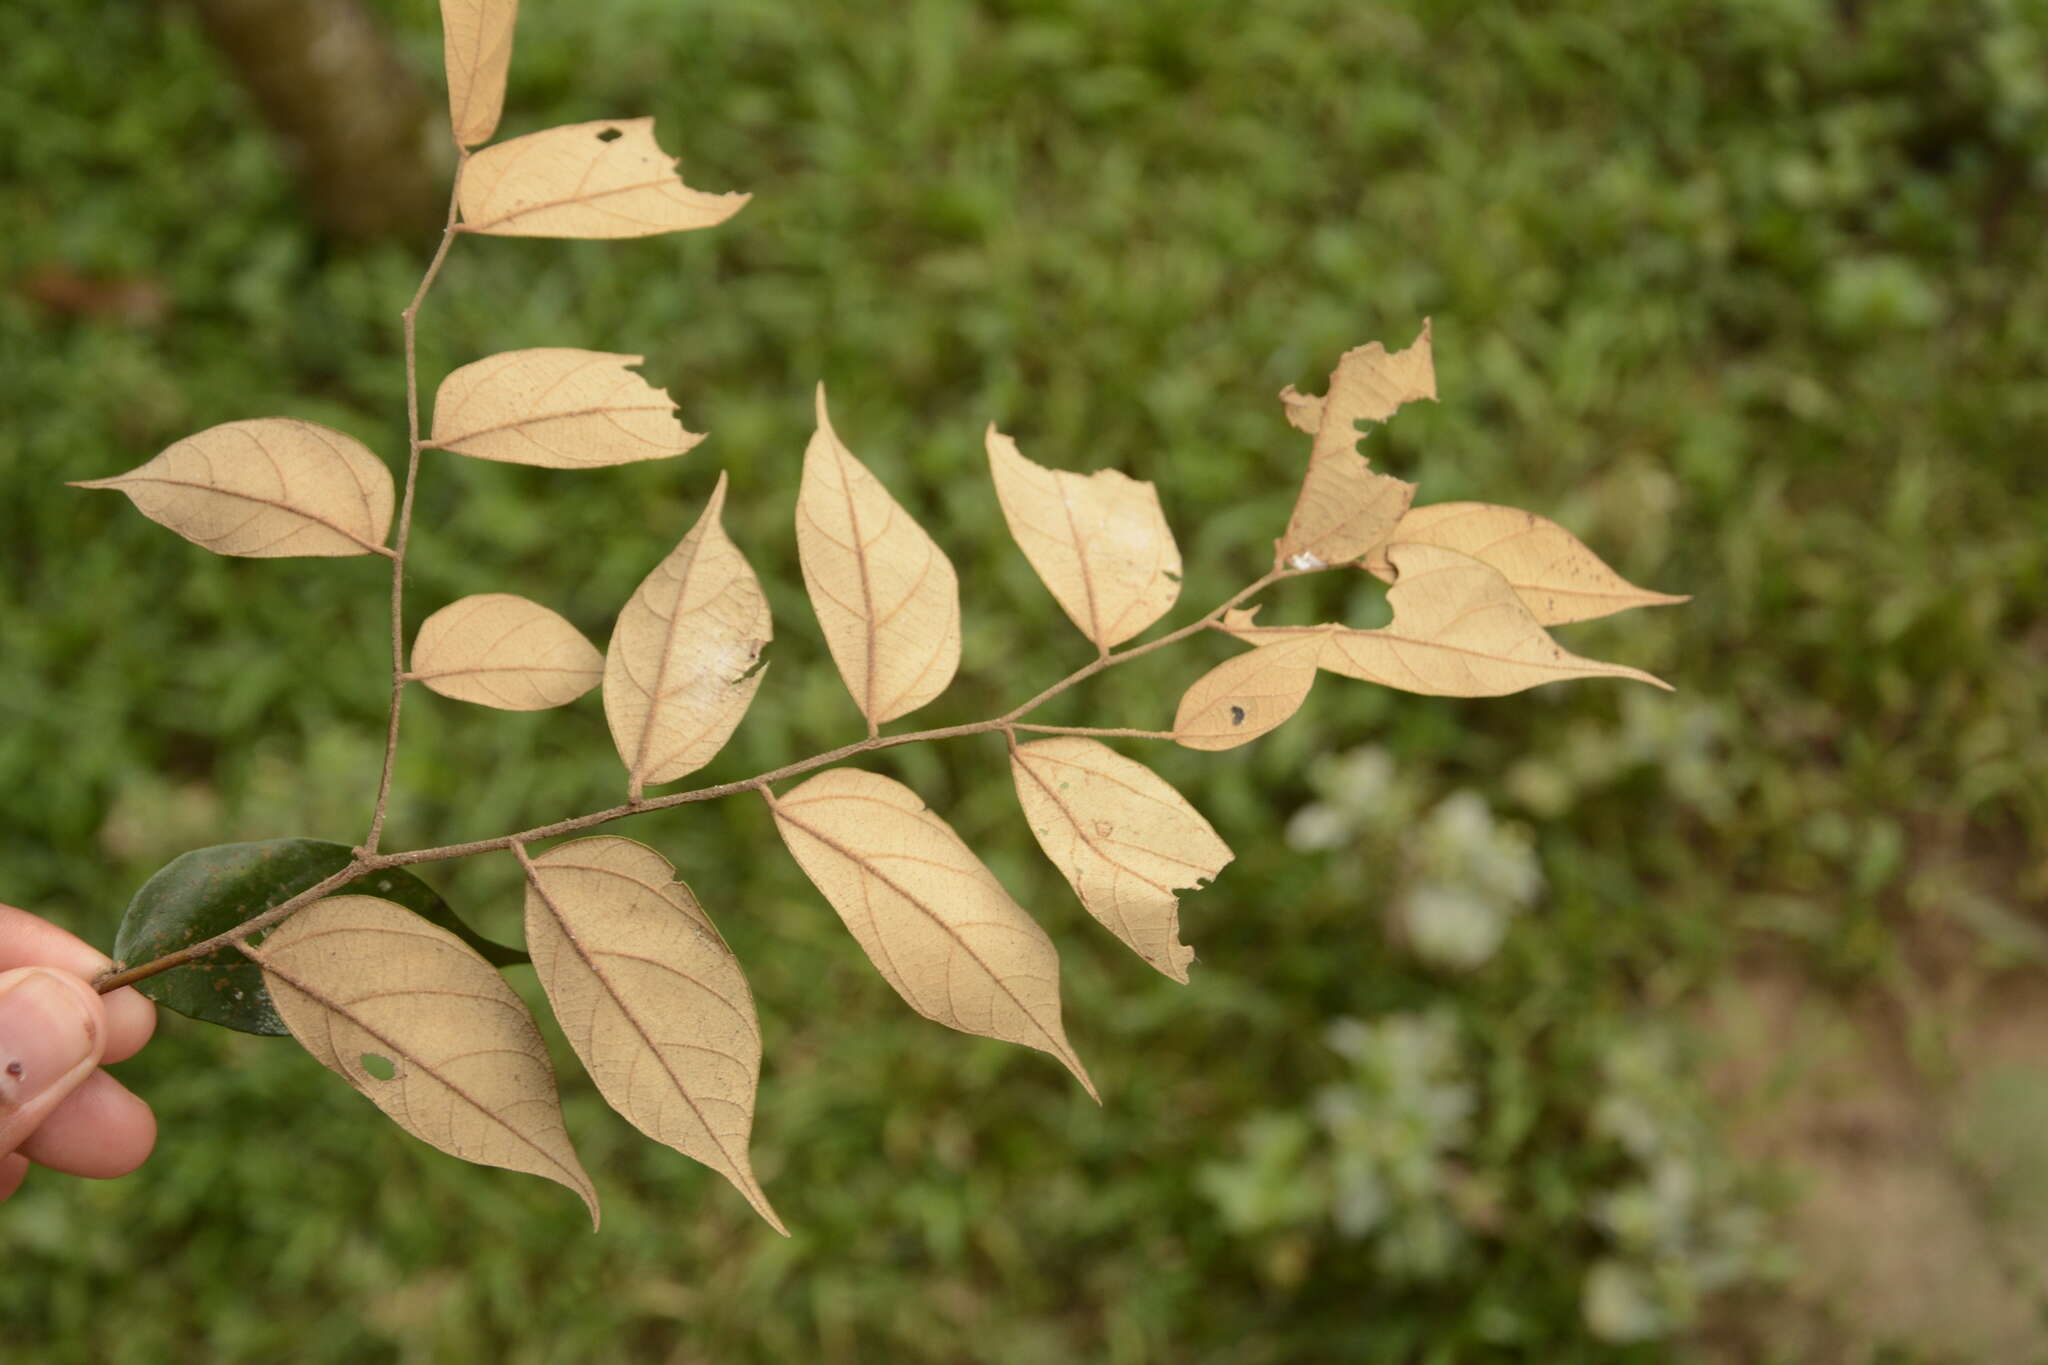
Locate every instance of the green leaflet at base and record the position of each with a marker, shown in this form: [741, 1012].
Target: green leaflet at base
[211, 890]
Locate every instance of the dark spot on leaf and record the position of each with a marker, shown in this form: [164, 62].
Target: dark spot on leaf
[610, 135]
[380, 1067]
[1237, 715]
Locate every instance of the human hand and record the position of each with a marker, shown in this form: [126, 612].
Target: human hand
[57, 1108]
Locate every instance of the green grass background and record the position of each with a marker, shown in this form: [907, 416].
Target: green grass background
[1749, 296]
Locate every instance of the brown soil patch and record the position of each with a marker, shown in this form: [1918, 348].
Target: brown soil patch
[1913, 1139]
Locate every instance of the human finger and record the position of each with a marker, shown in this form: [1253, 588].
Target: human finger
[103, 1130]
[28, 940]
[53, 1031]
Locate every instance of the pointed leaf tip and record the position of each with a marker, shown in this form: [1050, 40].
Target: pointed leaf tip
[356, 976]
[931, 917]
[270, 488]
[886, 596]
[1556, 577]
[1475, 636]
[1099, 542]
[684, 661]
[651, 999]
[1459, 630]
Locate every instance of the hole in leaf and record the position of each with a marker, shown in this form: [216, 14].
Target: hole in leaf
[610, 135]
[760, 662]
[380, 1067]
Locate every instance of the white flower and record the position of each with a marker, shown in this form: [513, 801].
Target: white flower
[1450, 926]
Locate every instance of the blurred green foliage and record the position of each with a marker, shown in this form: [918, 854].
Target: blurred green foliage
[1748, 296]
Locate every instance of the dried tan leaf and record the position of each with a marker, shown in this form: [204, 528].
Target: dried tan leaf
[498, 649]
[1345, 509]
[1369, 385]
[681, 670]
[557, 408]
[604, 179]
[935, 922]
[651, 999]
[476, 47]
[1100, 541]
[1459, 630]
[1122, 836]
[357, 978]
[1245, 697]
[1556, 576]
[1343, 512]
[266, 489]
[885, 593]
[1304, 410]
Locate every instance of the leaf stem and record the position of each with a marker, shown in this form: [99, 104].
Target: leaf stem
[1095, 732]
[1111, 660]
[367, 859]
[412, 472]
[237, 936]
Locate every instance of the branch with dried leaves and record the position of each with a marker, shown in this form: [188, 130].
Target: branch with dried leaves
[384, 983]
[364, 862]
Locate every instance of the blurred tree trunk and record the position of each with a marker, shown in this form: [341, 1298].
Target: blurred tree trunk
[353, 123]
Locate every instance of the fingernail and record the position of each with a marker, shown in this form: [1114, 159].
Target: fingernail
[45, 1032]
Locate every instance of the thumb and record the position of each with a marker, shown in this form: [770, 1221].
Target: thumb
[52, 1032]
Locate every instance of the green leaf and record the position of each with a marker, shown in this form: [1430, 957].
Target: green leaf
[211, 890]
